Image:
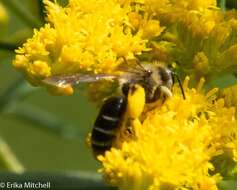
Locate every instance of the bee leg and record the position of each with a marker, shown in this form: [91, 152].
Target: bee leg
[135, 104]
[125, 88]
[158, 98]
[166, 91]
[128, 130]
[136, 101]
[150, 106]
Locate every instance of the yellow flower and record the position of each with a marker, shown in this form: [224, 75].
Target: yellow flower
[87, 37]
[200, 63]
[174, 144]
[204, 43]
[34, 58]
[200, 23]
[229, 95]
[195, 4]
[197, 26]
[94, 36]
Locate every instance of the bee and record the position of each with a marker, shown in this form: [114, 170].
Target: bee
[156, 80]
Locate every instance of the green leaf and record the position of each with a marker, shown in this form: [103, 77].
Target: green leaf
[223, 5]
[12, 93]
[43, 120]
[8, 160]
[224, 165]
[228, 185]
[18, 9]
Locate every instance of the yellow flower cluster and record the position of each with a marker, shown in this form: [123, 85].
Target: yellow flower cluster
[229, 95]
[195, 28]
[174, 144]
[198, 15]
[94, 36]
[85, 36]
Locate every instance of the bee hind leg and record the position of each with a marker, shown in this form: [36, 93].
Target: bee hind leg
[136, 101]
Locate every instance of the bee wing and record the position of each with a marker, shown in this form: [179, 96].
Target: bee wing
[133, 72]
[134, 67]
[75, 79]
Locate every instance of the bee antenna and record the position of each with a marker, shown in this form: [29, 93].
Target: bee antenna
[180, 84]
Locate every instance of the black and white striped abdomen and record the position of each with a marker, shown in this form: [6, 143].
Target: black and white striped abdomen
[107, 123]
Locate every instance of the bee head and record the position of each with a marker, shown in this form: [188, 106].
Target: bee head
[166, 77]
[160, 82]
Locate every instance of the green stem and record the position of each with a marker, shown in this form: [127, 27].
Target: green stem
[8, 46]
[223, 5]
[27, 113]
[12, 93]
[17, 8]
[43, 120]
[8, 160]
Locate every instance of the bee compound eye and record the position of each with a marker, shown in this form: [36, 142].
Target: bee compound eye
[165, 76]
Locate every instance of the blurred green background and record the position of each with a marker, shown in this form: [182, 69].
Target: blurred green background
[50, 146]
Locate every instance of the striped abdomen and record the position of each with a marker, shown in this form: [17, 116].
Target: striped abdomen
[107, 123]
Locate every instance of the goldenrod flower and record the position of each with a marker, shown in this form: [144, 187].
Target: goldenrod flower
[203, 44]
[94, 36]
[187, 11]
[174, 144]
[85, 36]
[197, 26]
[200, 63]
[195, 4]
[229, 95]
